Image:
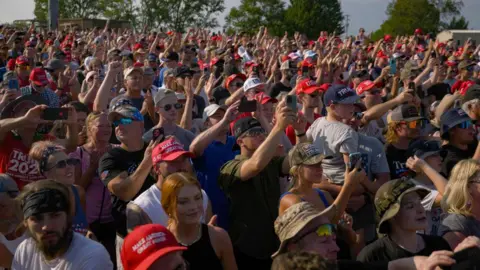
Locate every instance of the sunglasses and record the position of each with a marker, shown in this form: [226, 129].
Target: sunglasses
[168, 107]
[413, 124]
[122, 121]
[324, 230]
[465, 125]
[239, 84]
[64, 163]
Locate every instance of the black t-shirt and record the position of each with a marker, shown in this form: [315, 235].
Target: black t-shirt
[396, 159]
[452, 155]
[114, 162]
[279, 87]
[385, 249]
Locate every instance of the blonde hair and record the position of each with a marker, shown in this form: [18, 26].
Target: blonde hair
[391, 135]
[37, 149]
[457, 199]
[171, 187]
[90, 118]
[94, 61]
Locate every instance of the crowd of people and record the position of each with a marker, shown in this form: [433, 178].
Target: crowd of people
[199, 150]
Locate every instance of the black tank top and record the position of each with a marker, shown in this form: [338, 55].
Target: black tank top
[201, 255]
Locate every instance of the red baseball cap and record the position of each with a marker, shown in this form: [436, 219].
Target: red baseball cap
[324, 87]
[237, 56]
[308, 63]
[214, 61]
[137, 46]
[307, 86]
[11, 64]
[420, 48]
[170, 33]
[146, 244]
[233, 77]
[39, 77]
[418, 31]
[21, 60]
[168, 150]
[381, 54]
[364, 86]
[138, 64]
[387, 38]
[49, 42]
[264, 98]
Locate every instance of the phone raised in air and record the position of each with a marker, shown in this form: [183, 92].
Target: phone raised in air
[13, 85]
[353, 159]
[247, 105]
[393, 66]
[292, 102]
[158, 134]
[55, 114]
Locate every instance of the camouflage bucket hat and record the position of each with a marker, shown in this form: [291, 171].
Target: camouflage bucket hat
[296, 218]
[389, 197]
[306, 154]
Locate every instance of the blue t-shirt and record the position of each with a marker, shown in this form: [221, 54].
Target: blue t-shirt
[208, 169]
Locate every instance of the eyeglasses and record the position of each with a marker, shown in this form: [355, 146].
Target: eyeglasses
[63, 163]
[465, 125]
[168, 107]
[122, 121]
[239, 84]
[413, 124]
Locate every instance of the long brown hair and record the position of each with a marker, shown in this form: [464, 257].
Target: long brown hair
[171, 187]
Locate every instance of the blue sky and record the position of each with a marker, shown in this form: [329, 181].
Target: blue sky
[360, 12]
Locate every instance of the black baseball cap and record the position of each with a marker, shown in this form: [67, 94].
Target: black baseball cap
[245, 124]
[170, 56]
[340, 94]
[423, 148]
[451, 118]
[183, 71]
[404, 112]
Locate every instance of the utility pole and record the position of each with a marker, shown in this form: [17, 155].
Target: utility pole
[347, 24]
[53, 7]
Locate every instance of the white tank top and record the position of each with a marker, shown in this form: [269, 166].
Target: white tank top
[150, 200]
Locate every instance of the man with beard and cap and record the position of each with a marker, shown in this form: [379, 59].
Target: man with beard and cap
[53, 245]
[168, 157]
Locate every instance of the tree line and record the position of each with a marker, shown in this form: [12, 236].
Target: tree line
[305, 16]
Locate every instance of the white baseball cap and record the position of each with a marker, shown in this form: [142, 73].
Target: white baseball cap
[252, 83]
[211, 110]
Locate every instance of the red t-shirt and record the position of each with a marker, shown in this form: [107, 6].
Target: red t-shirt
[291, 132]
[15, 162]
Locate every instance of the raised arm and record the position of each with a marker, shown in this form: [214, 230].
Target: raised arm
[101, 100]
[201, 142]
[381, 109]
[262, 156]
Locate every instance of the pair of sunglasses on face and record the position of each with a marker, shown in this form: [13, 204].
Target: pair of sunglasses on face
[414, 124]
[324, 230]
[168, 107]
[64, 163]
[465, 125]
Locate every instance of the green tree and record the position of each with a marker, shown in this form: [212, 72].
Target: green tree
[404, 16]
[456, 23]
[312, 16]
[69, 9]
[251, 14]
[180, 14]
[118, 9]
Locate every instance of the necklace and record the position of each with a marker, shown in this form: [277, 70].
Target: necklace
[199, 235]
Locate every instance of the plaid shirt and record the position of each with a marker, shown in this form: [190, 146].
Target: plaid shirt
[53, 101]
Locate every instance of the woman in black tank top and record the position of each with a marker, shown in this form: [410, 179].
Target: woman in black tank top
[209, 247]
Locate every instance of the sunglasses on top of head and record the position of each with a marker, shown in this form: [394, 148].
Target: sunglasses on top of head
[168, 107]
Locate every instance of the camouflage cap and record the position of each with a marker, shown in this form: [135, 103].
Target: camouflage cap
[389, 197]
[296, 218]
[305, 153]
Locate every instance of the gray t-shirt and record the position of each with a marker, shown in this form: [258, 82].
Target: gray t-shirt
[83, 254]
[465, 225]
[434, 214]
[373, 156]
[183, 136]
[333, 139]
